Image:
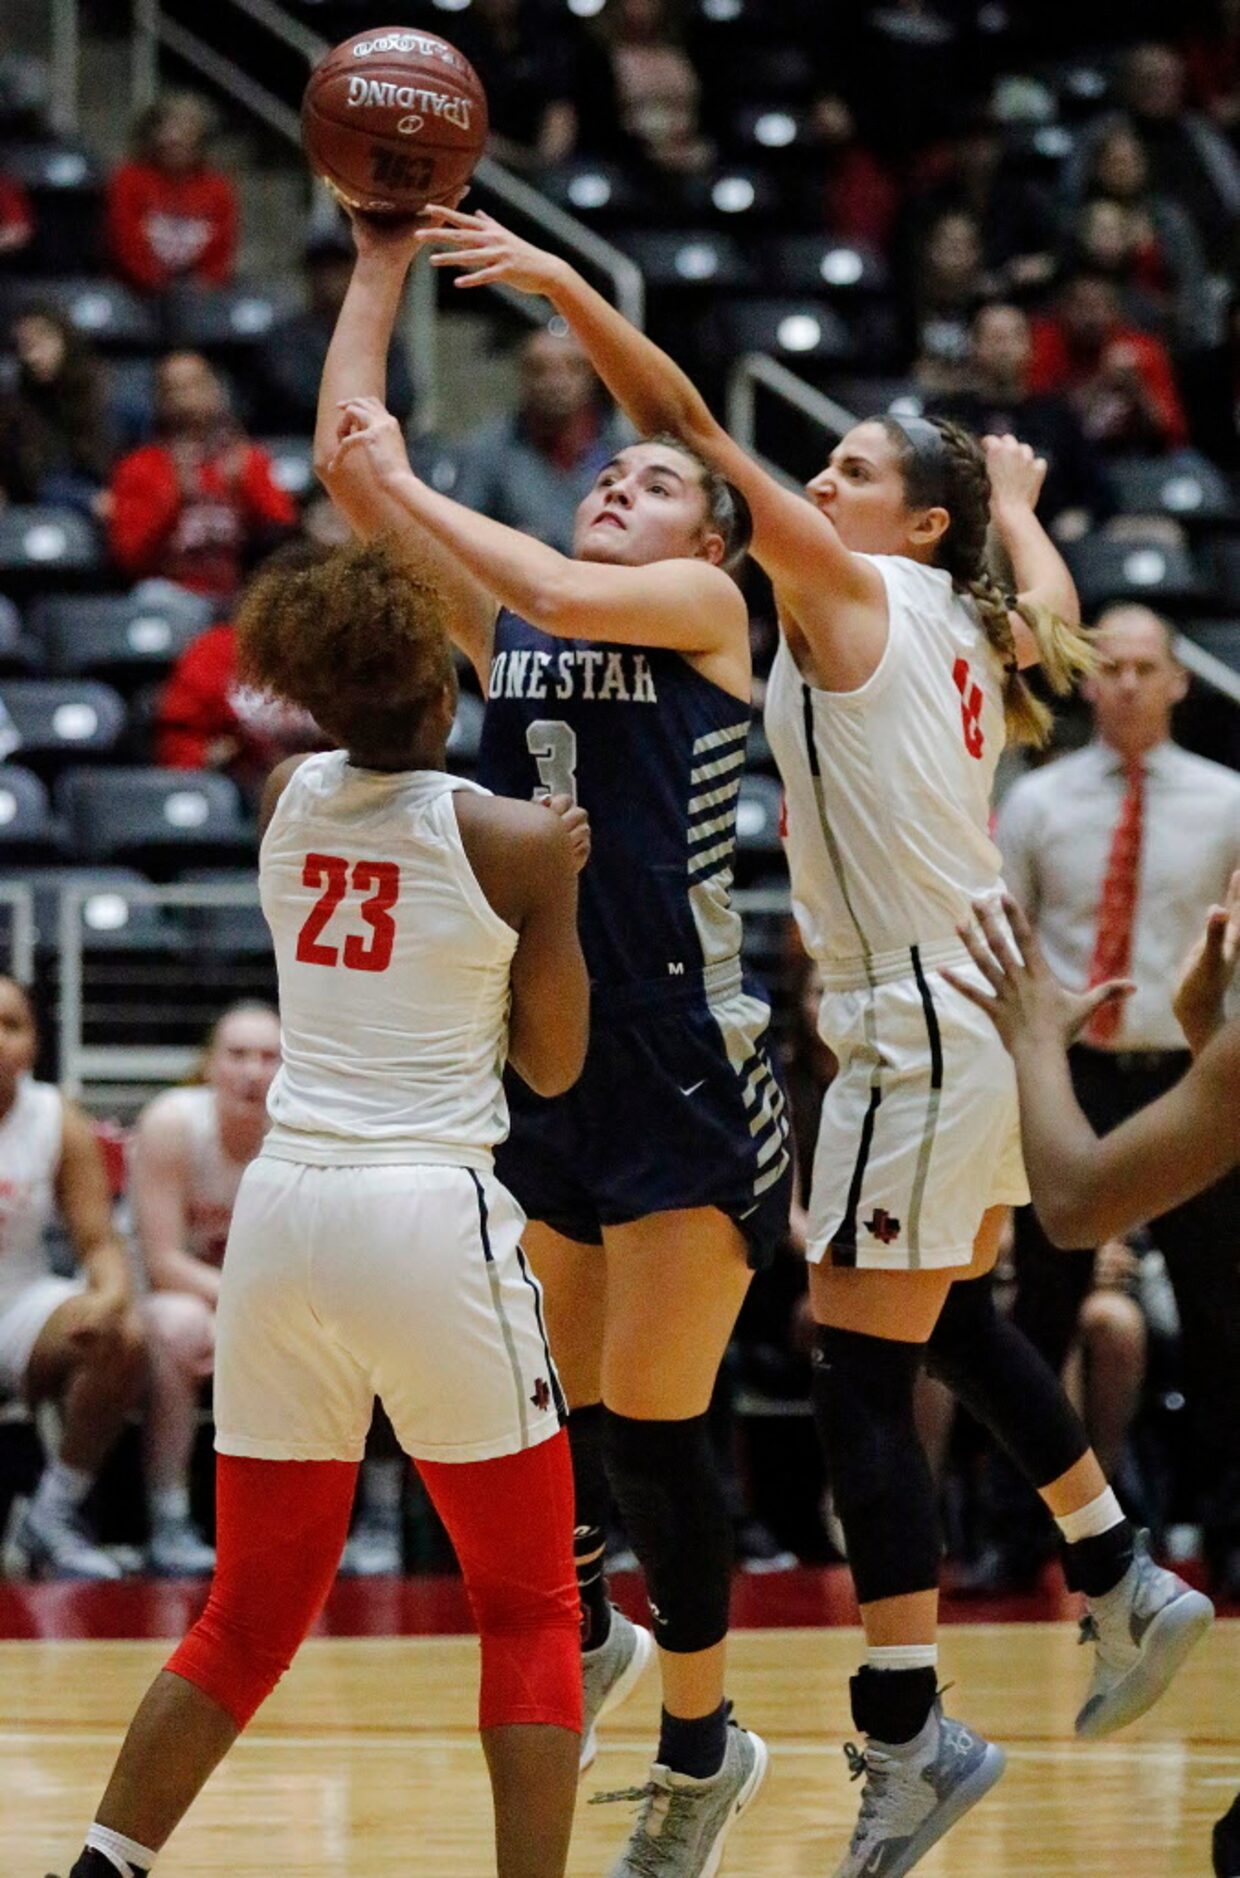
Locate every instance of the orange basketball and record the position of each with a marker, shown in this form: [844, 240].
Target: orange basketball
[393, 119]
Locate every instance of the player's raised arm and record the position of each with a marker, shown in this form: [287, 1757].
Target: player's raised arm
[688, 604]
[356, 367]
[798, 546]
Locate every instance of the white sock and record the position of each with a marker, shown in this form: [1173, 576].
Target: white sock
[62, 1488]
[902, 1655]
[169, 1505]
[1088, 1522]
[126, 1854]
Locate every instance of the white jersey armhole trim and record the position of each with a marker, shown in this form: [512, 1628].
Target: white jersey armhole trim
[471, 886]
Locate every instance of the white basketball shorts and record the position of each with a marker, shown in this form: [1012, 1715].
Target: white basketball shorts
[22, 1317]
[920, 1130]
[405, 1282]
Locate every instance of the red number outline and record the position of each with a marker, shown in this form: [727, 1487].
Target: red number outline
[333, 869]
[375, 955]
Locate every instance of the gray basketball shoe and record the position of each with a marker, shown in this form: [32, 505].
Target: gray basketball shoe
[682, 1824]
[609, 1676]
[1143, 1631]
[914, 1793]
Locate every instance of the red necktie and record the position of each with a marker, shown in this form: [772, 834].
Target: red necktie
[1112, 955]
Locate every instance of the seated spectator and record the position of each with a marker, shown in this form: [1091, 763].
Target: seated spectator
[1167, 256]
[207, 719]
[192, 506]
[54, 444]
[289, 364]
[1189, 159]
[1104, 240]
[997, 399]
[532, 468]
[657, 90]
[1119, 379]
[16, 219]
[1013, 216]
[860, 197]
[75, 1341]
[948, 285]
[1212, 55]
[190, 1149]
[1110, 1354]
[525, 61]
[171, 218]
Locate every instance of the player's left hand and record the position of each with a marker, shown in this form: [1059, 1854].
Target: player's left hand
[1029, 1002]
[487, 252]
[1016, 473]
[365, 424]
[1207, 972]
[576, 823]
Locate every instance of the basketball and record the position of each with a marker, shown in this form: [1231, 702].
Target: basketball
[393, 119]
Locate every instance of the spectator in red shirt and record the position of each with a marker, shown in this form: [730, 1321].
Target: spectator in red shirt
[1120, 379]
[194, 505]
[16, 218]
[170, 217]
[206, 719]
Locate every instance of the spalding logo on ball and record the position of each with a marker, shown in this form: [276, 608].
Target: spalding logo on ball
[393, 119]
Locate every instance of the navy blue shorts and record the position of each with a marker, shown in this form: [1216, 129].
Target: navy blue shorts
[676, 1107]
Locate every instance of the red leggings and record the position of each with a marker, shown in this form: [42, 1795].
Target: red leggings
[281, 1527]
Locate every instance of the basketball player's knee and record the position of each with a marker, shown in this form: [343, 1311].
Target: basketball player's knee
[1112, 1321]
[529, 1629]
[863, 1400]
[666, 1484]
[237, 1659]
[181, 1327]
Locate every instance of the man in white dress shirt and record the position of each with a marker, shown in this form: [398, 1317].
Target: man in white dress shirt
[1116, 852]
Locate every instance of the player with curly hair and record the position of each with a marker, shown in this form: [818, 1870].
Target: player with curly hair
[423, 930]
[895, 685]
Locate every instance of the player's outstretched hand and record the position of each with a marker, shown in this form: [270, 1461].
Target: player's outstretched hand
[366, 424]
[1207, 972]
[1028, 1002]
[486, 252]
[390, 236]
[1016, 474]
[577, 824]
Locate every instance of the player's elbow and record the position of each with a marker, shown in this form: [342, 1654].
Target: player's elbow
[1070, 1220]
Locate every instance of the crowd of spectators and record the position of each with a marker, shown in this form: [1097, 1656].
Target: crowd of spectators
[1078, 289]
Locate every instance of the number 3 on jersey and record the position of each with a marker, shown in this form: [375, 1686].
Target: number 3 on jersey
[331, 873]
[553, 745]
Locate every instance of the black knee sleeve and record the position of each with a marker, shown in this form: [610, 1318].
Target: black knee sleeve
[666, 1485]
[992, 1367]
[884, 1494]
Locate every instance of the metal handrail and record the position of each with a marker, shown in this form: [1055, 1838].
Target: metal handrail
[758, 368]
[79, 1063]
[18, 895]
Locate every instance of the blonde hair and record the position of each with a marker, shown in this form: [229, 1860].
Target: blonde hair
[956, 477]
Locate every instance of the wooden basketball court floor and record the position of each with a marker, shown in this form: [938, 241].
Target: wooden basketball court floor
[365, 1761]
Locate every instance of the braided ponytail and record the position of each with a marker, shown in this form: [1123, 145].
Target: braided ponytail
[956, 476]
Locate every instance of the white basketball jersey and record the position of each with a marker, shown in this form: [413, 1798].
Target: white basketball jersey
[30, 1142]
[888, 787]
[213, 1177]
[393, 972]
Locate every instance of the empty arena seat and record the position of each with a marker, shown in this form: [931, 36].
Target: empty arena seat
[688, 258]
[59, 720]
[158, 819]
[732, 195]
[773, 128]
[823, 264]
[1224, 561]
[111, 316]
[792, 330]
[65, 183]
[227, 318]
[1158, 572]
[19, 653]
[39, 540]
[594, 190]
[26, 819]
[758, 814]
[121, 637]
[111, 920]
[235, 929]
[292, 463]
[1184, 484]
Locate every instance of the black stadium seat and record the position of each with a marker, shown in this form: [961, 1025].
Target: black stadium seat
[823, 264]
[110, 315]
[65, 183]
[38, 542]
[19, 654]
[121, 637]
[61, 720]
[700, 259]
[158, 819]
[292, 462]
[1157, 572]
[758, 814]
[466, 734]
[26, 819]
[800, 331]
[1184, 485]
[228, 319]
[111, 920]
[235, 930]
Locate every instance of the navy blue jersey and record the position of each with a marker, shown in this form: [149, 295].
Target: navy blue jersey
[654, 752]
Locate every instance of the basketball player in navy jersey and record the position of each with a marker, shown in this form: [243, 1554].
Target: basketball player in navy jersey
[1155, 1160]
[896, 682]
[621, 677]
